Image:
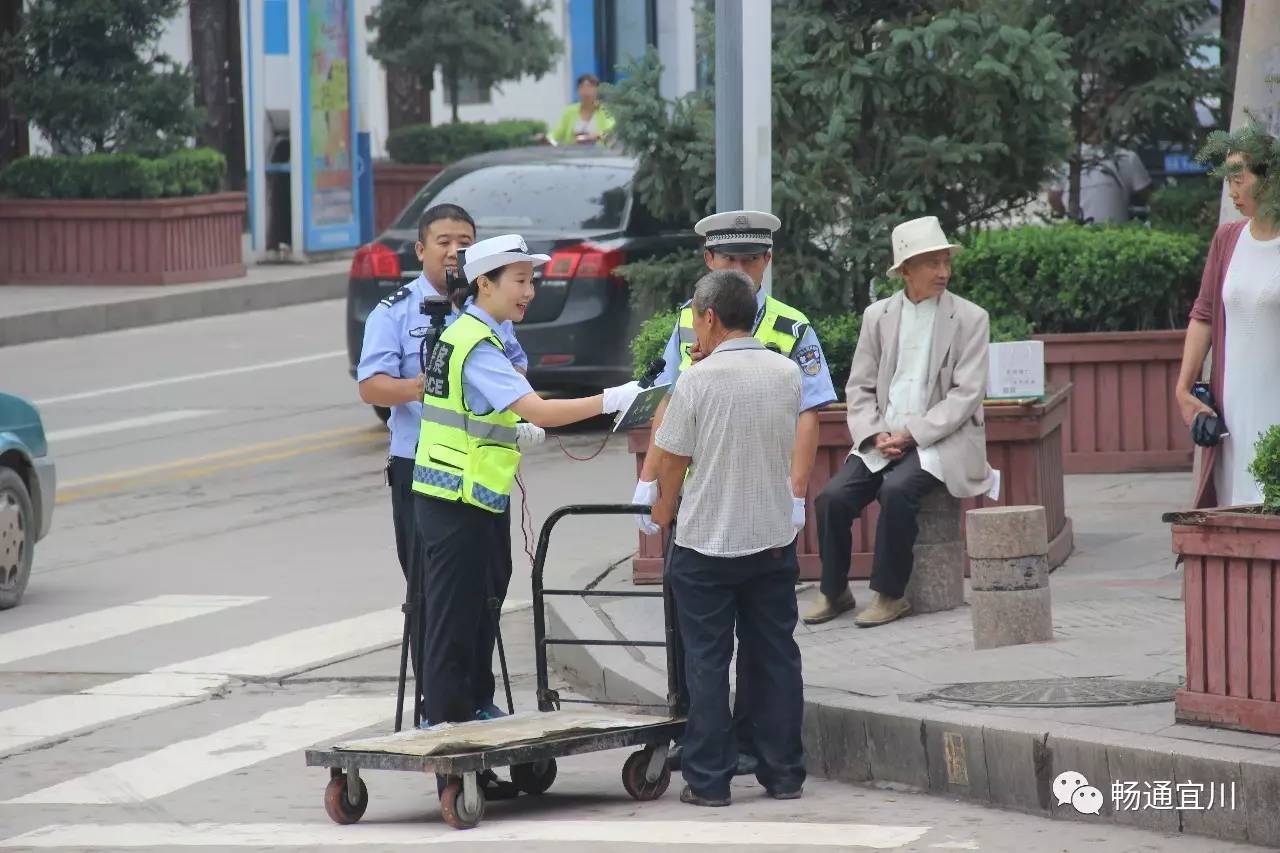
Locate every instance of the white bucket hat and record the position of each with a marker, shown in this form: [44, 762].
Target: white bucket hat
[915, 238]
[488, 255]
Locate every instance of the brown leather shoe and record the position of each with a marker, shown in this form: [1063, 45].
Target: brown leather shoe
[828, 608]
[882, 611]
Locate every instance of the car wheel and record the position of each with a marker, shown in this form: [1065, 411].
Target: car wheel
[383, 413]
[17, 537]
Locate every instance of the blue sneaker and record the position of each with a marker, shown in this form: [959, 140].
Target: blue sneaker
[490, 712]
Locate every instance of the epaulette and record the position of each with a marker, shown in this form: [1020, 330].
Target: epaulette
[686, 304]
[399, 295]
[790, 327]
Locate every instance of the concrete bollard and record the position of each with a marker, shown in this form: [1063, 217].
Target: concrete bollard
[937, 573]
[1009, 576]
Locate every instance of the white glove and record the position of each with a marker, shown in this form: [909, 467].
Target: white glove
[618, 398]
[646, 494]
[527, 435]
[797, 512]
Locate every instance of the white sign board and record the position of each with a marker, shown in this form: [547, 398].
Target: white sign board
[1016, 369]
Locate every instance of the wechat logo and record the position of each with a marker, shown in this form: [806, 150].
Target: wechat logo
[1073, 788]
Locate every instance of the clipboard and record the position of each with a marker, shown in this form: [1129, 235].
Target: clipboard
[642, 408]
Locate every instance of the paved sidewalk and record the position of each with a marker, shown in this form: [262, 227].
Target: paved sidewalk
[30, 313]
[870, 717]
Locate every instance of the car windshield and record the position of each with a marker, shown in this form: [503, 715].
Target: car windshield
[534, 196]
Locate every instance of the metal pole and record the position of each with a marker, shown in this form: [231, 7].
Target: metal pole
[729, 104]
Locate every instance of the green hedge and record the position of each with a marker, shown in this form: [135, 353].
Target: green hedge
[1072, 278]
[1191, 205]
[1265, 467]
[190, 171]
[445, 143]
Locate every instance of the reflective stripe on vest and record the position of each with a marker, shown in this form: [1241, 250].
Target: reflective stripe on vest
[780, 328]
[463, 456]
[474, 428]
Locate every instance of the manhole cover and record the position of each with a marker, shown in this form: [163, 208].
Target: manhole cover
[1058, 692]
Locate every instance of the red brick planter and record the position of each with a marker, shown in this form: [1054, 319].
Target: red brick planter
[1232, 599]
[1024, 442]
[394, 186]
[121, 241]
[1122, 416]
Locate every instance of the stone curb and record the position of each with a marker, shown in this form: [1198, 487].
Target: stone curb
[192, 304]
[979, 756]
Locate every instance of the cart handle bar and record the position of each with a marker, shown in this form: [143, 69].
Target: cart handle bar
[544, 537]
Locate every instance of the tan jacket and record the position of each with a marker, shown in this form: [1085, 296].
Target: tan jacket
[954, 422]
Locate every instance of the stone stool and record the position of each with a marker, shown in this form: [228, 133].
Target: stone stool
[937, 573]
[1009, 576]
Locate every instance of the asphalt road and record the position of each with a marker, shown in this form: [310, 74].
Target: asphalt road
[220, 591]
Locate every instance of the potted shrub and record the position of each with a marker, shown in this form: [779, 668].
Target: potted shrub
[119, 218]
[1024, 442]
[1232, 601]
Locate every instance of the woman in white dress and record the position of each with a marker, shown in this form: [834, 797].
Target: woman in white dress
[1237, 316]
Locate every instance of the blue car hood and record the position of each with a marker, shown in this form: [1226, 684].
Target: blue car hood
[20, 422]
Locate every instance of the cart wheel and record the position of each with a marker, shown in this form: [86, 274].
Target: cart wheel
[534, 778]
[336, 804]
[453, 807]
[636, 784]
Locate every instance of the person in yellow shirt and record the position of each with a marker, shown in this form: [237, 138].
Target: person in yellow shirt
[584, 122]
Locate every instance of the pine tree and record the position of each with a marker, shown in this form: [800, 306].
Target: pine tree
[488, 41]
[89, 77]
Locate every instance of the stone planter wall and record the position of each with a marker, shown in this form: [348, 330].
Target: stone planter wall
[1024, 442]
[394, 186]
[122, 241]
[1122, 416]
[1232, 600]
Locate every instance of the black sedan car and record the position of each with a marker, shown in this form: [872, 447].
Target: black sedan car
[574, 204]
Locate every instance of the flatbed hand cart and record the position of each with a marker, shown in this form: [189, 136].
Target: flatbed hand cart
[532, 759]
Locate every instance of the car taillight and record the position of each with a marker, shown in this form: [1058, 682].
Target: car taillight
[374, 260]
[582, 261]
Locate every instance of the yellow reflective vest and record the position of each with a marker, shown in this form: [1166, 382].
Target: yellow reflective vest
[463, 456]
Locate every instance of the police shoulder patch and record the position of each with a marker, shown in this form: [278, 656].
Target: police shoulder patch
[393, 298]
[810, 360]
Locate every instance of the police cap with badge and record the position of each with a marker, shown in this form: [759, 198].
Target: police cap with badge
[738, 232]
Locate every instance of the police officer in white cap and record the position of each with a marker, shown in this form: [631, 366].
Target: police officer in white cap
[743, 240]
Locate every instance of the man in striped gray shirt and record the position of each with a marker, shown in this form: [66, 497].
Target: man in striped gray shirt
[730, 426]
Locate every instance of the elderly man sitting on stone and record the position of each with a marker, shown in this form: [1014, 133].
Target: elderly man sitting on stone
[914, 398]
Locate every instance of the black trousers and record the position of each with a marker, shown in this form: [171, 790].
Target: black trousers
[400, 475]
[899, 487]
[757, 593]
[466, 551]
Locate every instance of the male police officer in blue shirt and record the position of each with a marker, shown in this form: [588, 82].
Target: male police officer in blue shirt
[743, 240]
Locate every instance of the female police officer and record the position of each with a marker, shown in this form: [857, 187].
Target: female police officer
[465, 466]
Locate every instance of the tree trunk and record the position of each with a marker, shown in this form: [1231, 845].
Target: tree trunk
[13, 127]
[215, 55]
[408, 97]
[1077, 152]
[451, 79]
[1232, 23]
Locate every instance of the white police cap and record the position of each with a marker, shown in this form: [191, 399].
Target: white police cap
[739, 232]
[488, 255]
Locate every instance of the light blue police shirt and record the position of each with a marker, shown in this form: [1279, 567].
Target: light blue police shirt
[489, 381]
[816, 389]
[393, 335]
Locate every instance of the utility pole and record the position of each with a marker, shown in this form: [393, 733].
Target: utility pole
[744, 108]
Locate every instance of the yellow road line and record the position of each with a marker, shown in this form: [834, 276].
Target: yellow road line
[206, 465]
[221, 454]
